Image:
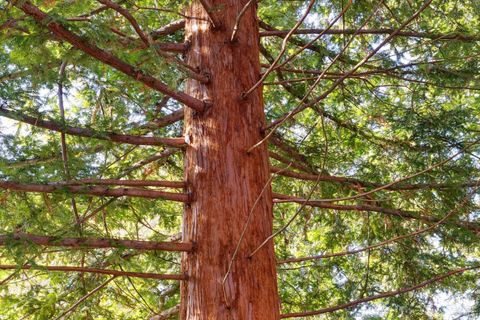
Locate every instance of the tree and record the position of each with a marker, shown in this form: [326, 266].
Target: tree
[174, 158]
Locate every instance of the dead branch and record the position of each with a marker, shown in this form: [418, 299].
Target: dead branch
[93, 243]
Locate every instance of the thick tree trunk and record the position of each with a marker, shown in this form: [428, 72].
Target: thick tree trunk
[224, 180]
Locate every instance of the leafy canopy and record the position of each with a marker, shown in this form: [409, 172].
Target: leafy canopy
[414, 104]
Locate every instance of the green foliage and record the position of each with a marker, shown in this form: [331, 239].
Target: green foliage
[419, 109]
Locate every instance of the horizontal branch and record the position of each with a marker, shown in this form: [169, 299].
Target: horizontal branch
[119, 182]
[80, 43]
[94, 243]
[380, 244]
[297, 41]
[378, 296]
[95, 191]
[162, 46]
[117, 273]
[315, 177]
[165, 120]
[412, 34]
[89, 133]
[397, 187]
[149, 159]
[168, 29]
[339, 122]
[172, 47]
[280, 198]
[291, 151]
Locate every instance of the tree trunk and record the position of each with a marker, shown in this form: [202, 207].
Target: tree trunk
[224, 180]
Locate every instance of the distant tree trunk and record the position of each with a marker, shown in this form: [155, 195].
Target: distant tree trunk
[224, 180]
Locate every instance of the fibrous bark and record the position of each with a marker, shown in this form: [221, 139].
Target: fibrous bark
[225, 180]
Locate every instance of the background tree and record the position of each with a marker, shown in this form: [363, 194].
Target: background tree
[124, 123]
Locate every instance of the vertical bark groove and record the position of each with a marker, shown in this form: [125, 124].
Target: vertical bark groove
[225, 181]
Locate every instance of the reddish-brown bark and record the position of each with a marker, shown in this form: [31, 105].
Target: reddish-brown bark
[142, 275]
[411, 34]
[225, 181]
[94, 242]
[282, 198]
[94, 191]
[85, 132]
[121, 182]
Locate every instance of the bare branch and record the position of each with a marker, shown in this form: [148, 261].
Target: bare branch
[282, 49]
[117, 273]
[94, 243]
[165, 120]
[291, 151]
[95, 191]
[354, 181]
[12, 76]
[63, 139]
[89, 133]
[85, 297]
[320, 177]
[426, 35]
[408, 177]
[170, 28]
[167, 314]
[320, 98]
[239, 18]
[378, 296]
[124, 12]
[117, 182]
[148, 42]
[286, 161]
[388, 241]
[61, 31]
[280, 198]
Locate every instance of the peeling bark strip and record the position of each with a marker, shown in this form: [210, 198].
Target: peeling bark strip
[97, 243]
[117, 273]
[95, 191]
[225, 181]
[88, 133]
[62, 32]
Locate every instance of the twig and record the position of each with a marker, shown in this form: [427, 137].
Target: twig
[239, 18]
[95, 191]
[312, 87]
[282, 50]
[66, 169]
[302, 107]
[386, 242]
[378, 296]
[85, 297]
[99, 243]
[61, 31]
[89, 133]
[116, 273]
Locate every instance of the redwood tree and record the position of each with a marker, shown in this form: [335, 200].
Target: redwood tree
[221, 159]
